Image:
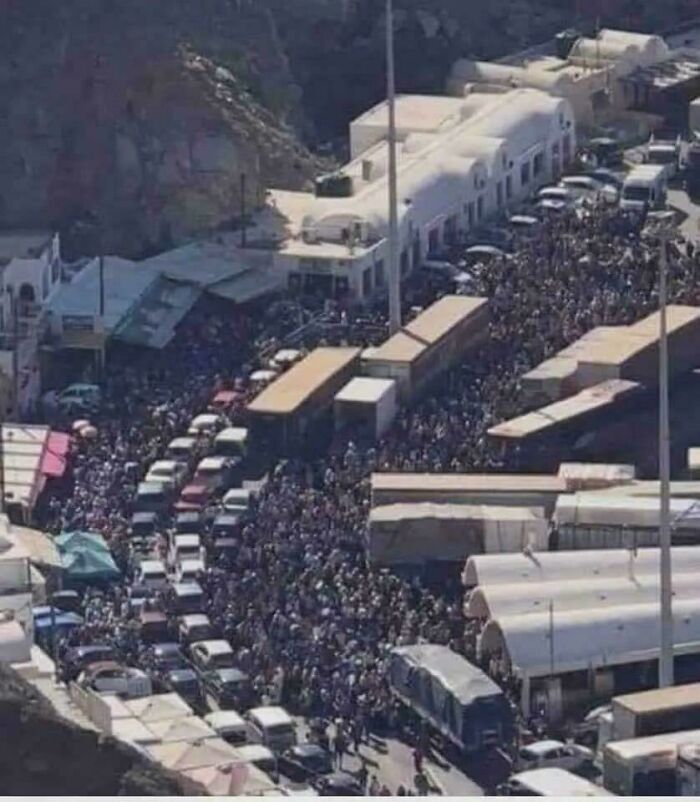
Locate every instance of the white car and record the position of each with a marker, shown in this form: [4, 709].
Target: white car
[237, 499]
[554, 754]
[111, 677]
[202, 424]
[79, 398]
[168, 471]
[208, 655]
[589, 189]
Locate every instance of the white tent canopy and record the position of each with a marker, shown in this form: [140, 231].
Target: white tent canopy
[496, 601]
[541, 644]
[552, 566]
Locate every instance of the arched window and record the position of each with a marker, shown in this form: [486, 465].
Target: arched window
[26, 293]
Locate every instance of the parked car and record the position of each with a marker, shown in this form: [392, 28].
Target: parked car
[218, 473]
[189, 523]
[186, 598]
[339, 783]
[550, 753]
[185, 547]
[111, 677]
[271, 726]
[229, 725]
[237, 500]
[209, 655]
[194, 497]
[588, 189]
[79, 398]
[183, 449]
[203, 424]
[167, 656]
[305, 761]
[143, 524]
[152, 574]
[78, 658]
[152, 497]
[227, 525]
[194, 627]
[185, 682]
[168, 471]
[228, 689]
[189, 571]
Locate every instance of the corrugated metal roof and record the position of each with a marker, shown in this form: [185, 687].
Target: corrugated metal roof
[125, 282]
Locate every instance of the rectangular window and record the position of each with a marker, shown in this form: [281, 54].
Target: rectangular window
[470, 213]
[367, 282]
[538, 164]
[379, 274]
[525, 174]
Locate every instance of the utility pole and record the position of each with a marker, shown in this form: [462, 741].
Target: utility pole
[15, 354]
[394, 271]
[243, 211]
[661, 226]
[666, 661]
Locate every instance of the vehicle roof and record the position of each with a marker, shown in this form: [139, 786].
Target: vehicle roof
[641, 747]
[233, 434]
[220, 719]
[144, 516]
[187, 588]
[238, 492]
[191, 564]
[187, 540]
[270, 716]
[542, 747]
[188, 515]
[308, 749]
[231, 674]
[165, 464]
[152, 565]
[212, 463]
[81, 386]
[182, 674]
[165, 647]
[92, 647]
[182, 442]
[660, 699]
[215, 646]
[205, 419]
[249, 753]
[227, 518]
[195, 619]
[558, 782]
[194, 487]
[101, 665]
[150, 487]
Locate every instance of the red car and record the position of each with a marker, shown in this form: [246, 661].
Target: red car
[194, 497]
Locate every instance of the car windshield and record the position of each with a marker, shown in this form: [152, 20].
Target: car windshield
[636, 193]
[662, 156]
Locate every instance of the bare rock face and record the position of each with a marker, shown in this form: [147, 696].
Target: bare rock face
[110, 112]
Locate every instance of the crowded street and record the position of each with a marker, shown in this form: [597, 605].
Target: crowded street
[308, 621]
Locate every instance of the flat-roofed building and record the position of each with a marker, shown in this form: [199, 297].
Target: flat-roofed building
[432, 343]
[283, 414]
[458, 161]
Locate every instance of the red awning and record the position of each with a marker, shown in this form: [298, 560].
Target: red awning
[54, 461]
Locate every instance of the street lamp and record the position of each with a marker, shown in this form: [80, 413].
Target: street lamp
[662, 226]
[394, 270]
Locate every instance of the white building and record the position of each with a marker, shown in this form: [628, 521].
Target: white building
[30, 270]
[15, 581]
[459, 160]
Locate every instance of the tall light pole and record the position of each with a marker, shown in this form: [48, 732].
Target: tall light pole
[394, 270]
[661, 226]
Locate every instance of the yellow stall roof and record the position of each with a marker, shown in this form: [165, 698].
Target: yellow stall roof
[428, 328]
[288, 392]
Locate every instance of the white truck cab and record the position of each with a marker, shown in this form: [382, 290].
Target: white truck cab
[645, 188]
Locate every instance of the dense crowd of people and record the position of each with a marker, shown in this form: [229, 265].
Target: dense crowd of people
[305, 615]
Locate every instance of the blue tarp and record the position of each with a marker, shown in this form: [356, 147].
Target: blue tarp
[70, 541]
[85, 565]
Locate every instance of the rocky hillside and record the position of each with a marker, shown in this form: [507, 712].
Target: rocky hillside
[42, 754]
[142, 115]
[137, 117]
